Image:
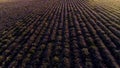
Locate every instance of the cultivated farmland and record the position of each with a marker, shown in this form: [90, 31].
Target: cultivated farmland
[60, 34]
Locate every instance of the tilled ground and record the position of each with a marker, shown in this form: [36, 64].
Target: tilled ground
[63, 34]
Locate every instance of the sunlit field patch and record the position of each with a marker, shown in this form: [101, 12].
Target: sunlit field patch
[110, 3]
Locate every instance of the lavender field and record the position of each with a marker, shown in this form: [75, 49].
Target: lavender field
[60, 34]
